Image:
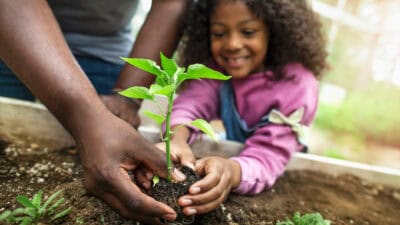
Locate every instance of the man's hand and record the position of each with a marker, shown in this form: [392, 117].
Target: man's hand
[123, 107]
[108, 152]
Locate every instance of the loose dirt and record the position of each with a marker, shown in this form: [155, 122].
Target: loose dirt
[346, 199]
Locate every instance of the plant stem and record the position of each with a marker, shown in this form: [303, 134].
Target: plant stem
[168, 135]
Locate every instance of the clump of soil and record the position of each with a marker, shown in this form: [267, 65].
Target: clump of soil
[169, 193]
[344, 199]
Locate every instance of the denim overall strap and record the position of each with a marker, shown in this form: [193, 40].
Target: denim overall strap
[236, 128]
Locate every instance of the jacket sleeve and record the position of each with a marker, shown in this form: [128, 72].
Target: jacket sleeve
[199, 100]
[269, 149]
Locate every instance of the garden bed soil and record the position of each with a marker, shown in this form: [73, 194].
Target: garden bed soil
[26, 168]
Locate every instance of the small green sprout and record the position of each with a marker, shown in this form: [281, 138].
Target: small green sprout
[168, 80]
[156, 179]
[34, 211]
[306, 219]
[79, 220]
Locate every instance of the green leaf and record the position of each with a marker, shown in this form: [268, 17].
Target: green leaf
[62, 214]
[306, 219]
[25, 211]
[5, 215]
[37, 199]
[159, 119]
[159, 90]
[169, 65]
[55, 205]
[26, 221]
[79, 220]
[50, 199]
[205, 127]
[144, 64]
[156, 179]
[137, 92]
[163, 79]
[23, 200]
[200, 71]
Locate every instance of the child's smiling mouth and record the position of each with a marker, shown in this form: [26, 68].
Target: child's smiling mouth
[235, 62]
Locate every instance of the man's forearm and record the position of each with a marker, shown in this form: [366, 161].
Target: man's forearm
[32, 45]
[160, 33]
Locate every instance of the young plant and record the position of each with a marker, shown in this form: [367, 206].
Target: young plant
[34, 211]
[306, 219]
[168, 80]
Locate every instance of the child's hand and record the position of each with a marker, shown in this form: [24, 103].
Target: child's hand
[205, 195]
[181, 153]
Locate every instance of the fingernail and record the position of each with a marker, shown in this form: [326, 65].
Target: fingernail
[179, 174]
[194, 190]
[186, 201]
[190, 165]
[169, 217]
[191, 211]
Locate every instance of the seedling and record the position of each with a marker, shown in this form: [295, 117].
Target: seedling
[34, 211]
[168, 80]
[306, 219]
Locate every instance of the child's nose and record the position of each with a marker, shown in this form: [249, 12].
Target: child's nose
[233, 42]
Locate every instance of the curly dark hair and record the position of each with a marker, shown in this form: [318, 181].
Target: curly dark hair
[294, 34]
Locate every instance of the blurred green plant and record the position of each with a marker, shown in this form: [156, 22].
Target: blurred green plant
[306, 219]
[369, 115]
[332, 153]
[34, 211]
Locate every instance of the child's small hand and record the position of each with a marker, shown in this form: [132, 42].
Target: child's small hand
[205, 195]
[181, 153]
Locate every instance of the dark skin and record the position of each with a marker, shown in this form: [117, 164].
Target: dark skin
[32, 45]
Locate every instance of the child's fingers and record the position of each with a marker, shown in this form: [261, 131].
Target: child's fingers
[161, 146]
[206, 206]
[203, 197]
[205, 184]
[213, 174]
[188, 159]
[212, 193]
[199, 166]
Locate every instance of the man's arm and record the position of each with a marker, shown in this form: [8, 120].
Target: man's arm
[32, 45]
[159, 33]
[34, 48]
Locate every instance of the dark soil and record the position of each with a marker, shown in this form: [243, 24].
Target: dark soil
[346, 199]
[169, 193]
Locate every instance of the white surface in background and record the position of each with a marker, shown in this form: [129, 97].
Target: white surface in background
[331, 94]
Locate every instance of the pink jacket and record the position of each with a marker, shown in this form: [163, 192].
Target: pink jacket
[269, 149]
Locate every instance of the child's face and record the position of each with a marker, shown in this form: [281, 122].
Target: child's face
[238, 39]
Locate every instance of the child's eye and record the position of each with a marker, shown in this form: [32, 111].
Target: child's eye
[248, 33]
[217, 34]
